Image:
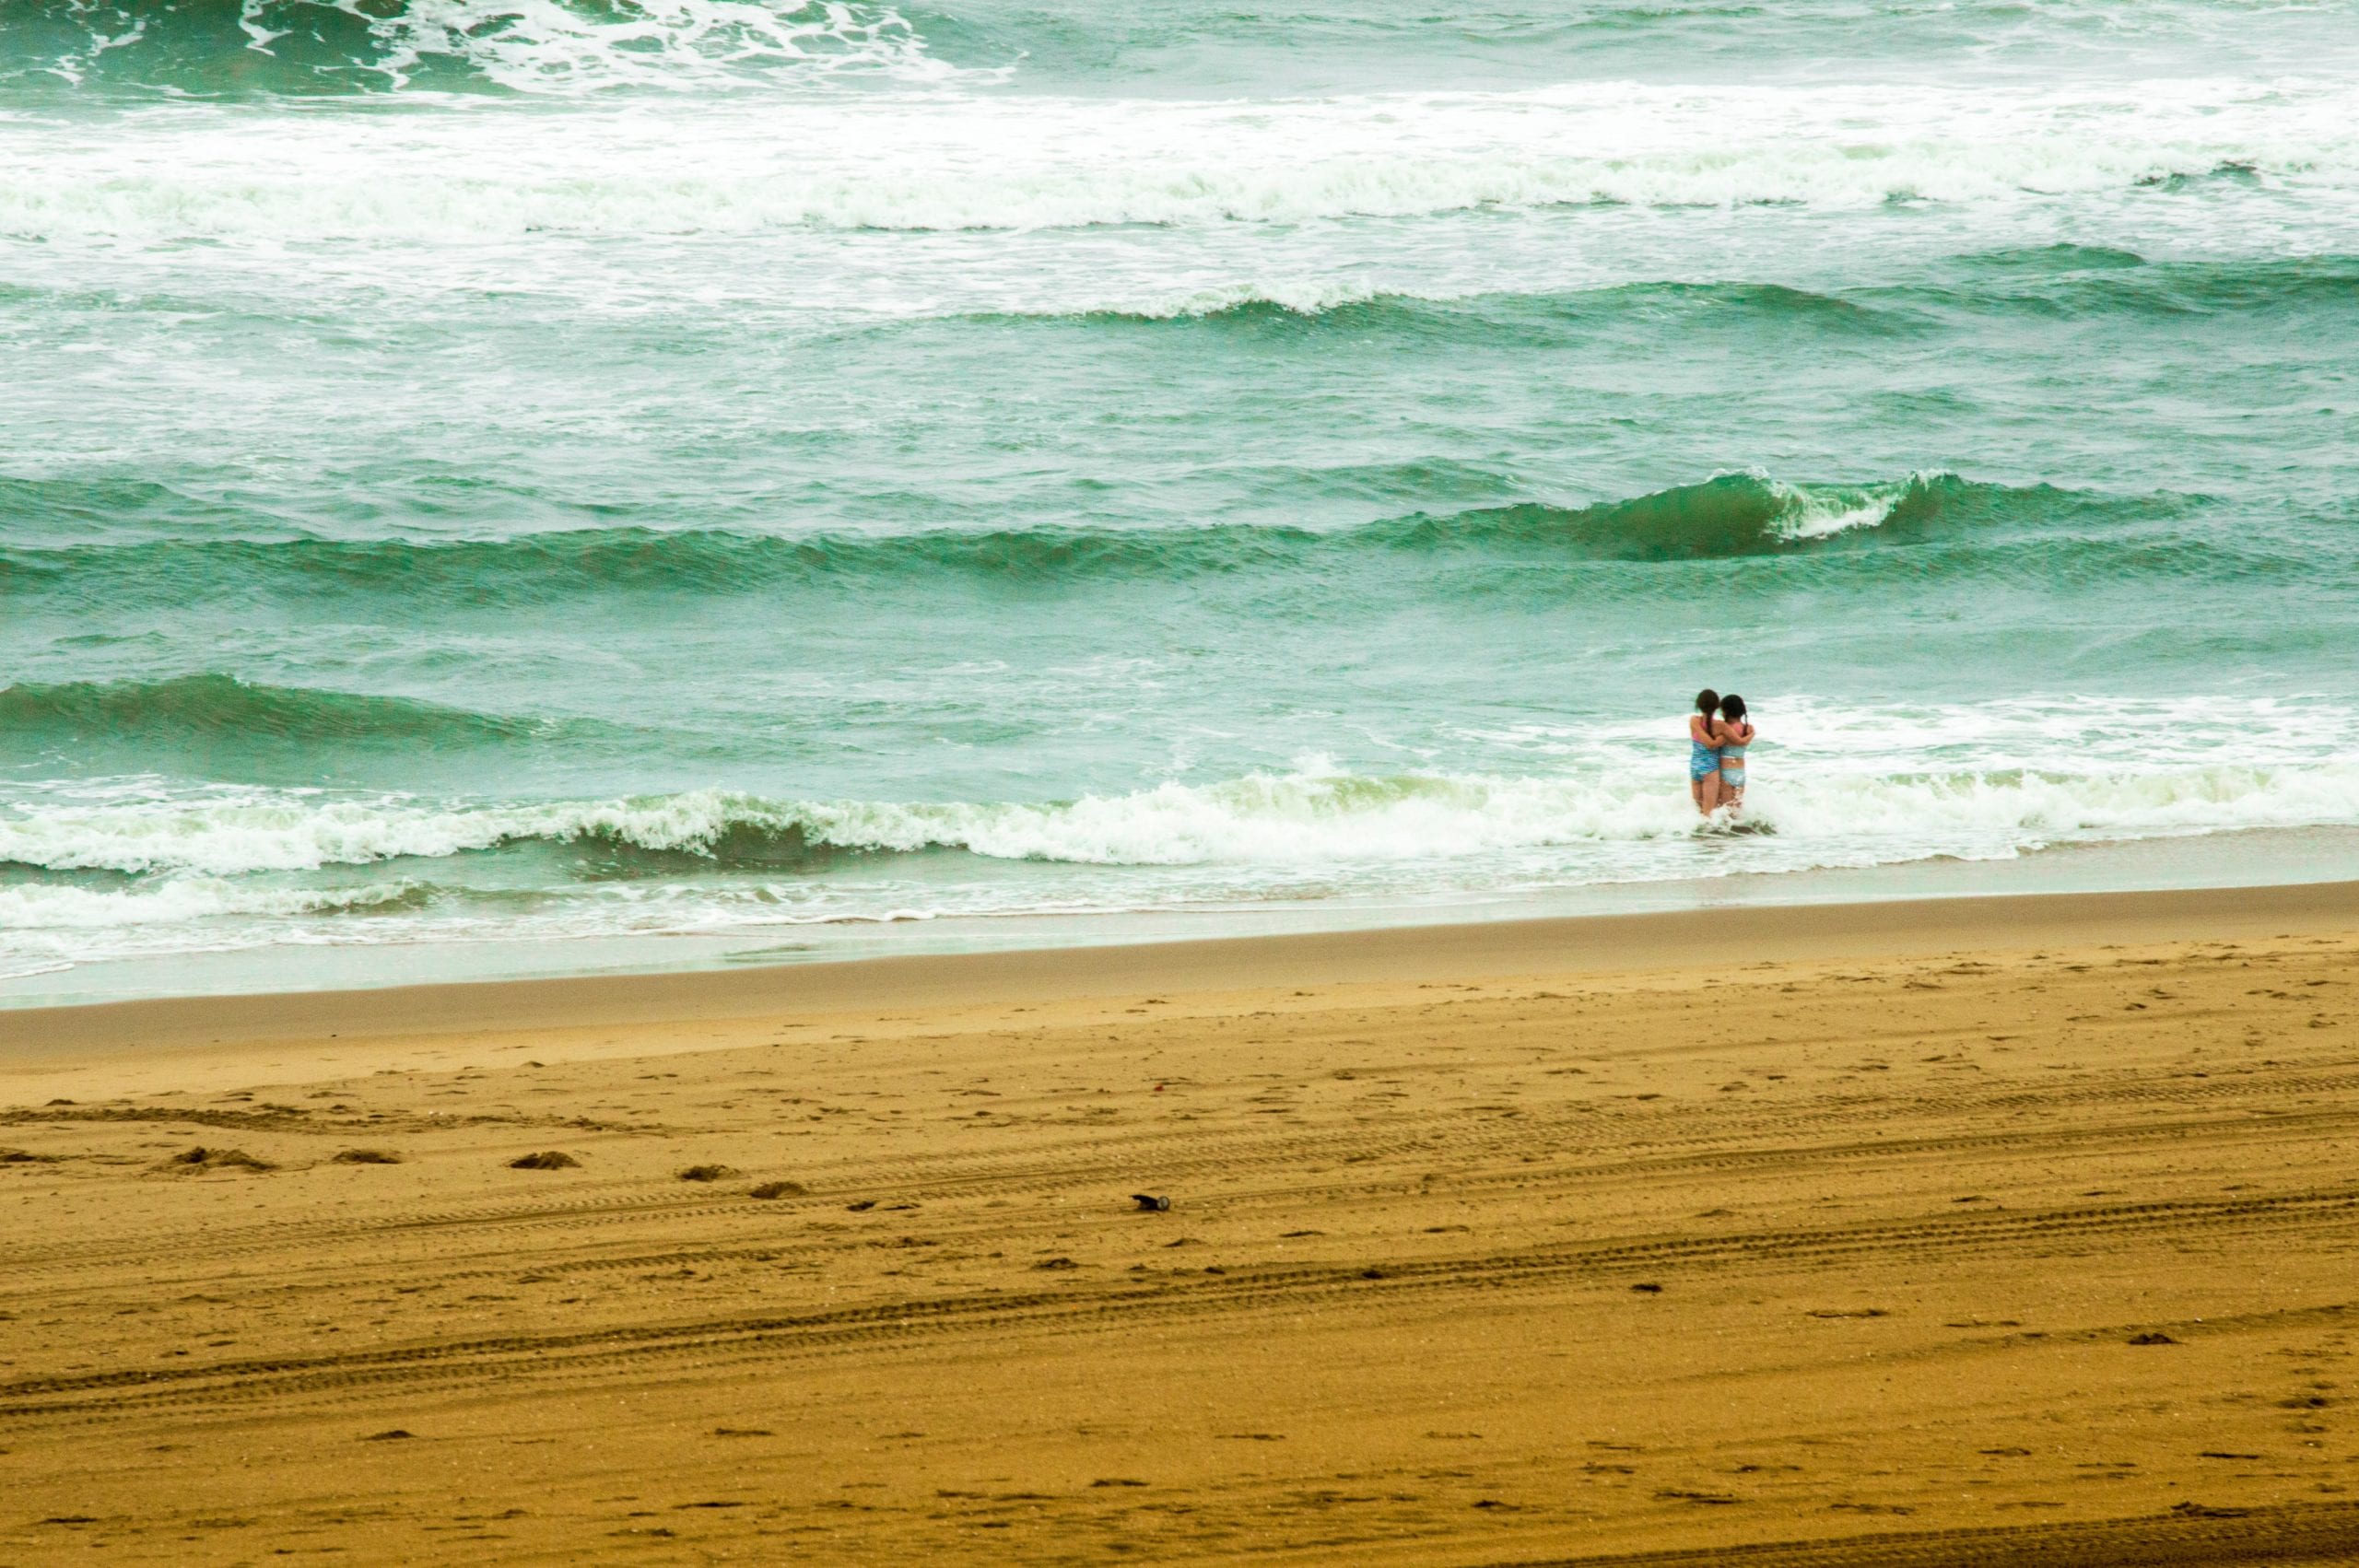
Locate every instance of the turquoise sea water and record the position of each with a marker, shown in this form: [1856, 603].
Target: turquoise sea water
[568, 468]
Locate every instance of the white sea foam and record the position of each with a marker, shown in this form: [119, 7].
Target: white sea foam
[547, 46]
[550, 48]
[179, 901]
[953, 160]
[1309, 818]
[1822, 512]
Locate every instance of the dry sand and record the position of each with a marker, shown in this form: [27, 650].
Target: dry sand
[1992, 1231]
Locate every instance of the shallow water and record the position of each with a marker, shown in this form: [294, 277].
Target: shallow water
[560, 470]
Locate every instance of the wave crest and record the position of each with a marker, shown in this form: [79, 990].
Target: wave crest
[47, 907]
[208, 707]
[536, 47]
[1728, 515]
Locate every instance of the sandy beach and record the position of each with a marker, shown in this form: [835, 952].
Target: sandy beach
[1995, 1231]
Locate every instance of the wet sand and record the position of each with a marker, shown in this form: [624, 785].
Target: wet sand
[1994, 1230]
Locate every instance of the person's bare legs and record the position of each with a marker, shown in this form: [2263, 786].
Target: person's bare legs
[1706, 793]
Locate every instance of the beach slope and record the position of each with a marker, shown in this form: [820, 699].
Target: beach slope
[2006, 1231]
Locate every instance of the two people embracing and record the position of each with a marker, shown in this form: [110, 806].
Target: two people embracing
[1718, 734]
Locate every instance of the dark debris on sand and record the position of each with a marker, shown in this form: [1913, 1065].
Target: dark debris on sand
[204, 1159]
[547, 1160]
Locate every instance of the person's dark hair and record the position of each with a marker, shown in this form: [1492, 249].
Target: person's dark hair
[1732, 707]
[1707, 700]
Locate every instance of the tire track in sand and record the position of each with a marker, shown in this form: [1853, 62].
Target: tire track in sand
[1085, 1309]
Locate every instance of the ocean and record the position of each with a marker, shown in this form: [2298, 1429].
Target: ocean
[500, 476]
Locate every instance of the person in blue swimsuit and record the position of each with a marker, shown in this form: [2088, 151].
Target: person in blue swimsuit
[1734, 732]
[1704, 751]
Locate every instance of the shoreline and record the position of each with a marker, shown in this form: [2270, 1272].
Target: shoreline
[2249, 857]
[1661, 940]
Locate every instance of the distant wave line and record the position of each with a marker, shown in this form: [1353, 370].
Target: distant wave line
[1732, 515]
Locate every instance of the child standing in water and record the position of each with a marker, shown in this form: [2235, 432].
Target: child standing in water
[1704, 753]
[1734, 732]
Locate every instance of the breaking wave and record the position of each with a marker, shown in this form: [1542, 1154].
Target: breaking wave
[1308, 818]
[1730, 515]
[35, 906]
[536, 47]
[2047, 281]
